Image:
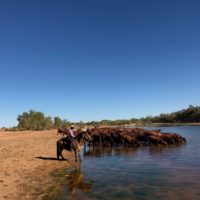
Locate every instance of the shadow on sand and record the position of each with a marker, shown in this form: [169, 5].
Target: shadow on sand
[50, 158]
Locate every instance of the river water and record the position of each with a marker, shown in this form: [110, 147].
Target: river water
[152, 173]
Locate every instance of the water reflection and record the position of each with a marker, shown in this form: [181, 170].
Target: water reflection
[156, 172]
[75, 182]
[162, 149]
[118, 151]
[108, 151]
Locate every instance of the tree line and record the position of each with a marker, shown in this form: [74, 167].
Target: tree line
[189, 115]
[34, 120]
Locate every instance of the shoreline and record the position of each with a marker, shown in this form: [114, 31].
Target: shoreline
[157, 124]
[135, 125]
[174, 124]
[117, 126]
[26, 160]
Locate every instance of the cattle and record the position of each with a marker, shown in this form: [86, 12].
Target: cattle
[111, 136]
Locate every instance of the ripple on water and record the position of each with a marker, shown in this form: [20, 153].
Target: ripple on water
[139, 173]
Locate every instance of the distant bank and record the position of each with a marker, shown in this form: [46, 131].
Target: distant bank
[37, 121]
[135, 125]
[161, 124]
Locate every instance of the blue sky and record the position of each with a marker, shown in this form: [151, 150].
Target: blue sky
[94, 60]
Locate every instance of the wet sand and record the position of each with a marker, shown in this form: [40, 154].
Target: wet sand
[26, 160]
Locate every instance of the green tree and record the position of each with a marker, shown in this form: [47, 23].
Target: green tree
[31, 121]
[81, 124]
[65, 124]
[57, 122]
[23, 121]
[49, 123]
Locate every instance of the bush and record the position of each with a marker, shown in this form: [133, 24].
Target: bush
[35, 121]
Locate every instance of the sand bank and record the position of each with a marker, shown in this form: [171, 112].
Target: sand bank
[26, 159]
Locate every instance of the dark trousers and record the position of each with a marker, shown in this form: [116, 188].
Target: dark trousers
[70, 141]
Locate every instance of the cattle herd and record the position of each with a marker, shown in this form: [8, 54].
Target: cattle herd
[131, 137]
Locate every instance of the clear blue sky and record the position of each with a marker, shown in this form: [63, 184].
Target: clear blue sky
[93, 60]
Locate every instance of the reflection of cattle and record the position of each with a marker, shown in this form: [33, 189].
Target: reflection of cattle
[132, 137]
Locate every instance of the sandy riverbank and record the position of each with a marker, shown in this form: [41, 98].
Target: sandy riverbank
[26, 159]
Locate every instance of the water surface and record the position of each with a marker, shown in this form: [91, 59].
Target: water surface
[171, 172]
